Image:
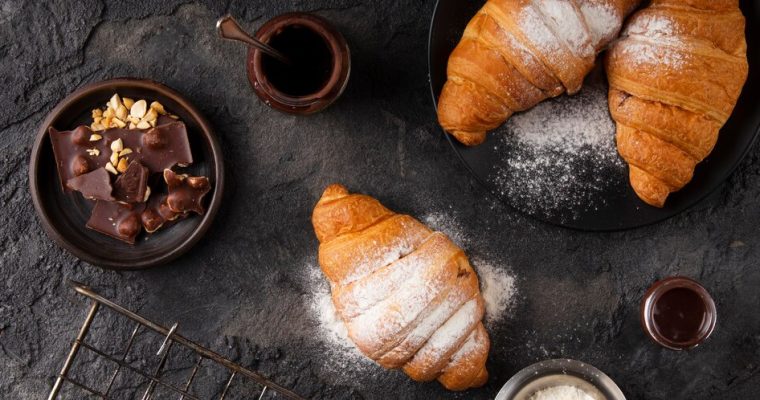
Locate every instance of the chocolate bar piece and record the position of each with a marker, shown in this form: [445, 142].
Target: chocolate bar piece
[78, 152]
[132, 185]
[157, 213]
[186, 192]
[117, 220]
[94, 185]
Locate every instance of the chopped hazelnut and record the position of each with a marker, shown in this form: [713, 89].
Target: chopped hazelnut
[138, 109]
[111, 169]
[117, 145]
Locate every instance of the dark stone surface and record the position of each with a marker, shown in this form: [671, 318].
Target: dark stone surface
[241, 291]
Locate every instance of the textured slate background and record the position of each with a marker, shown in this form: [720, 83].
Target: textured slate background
[242, 289]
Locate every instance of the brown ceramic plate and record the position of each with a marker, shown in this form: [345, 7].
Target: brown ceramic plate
[64, 215]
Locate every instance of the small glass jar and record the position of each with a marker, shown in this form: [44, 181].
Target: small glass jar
[335, 83]
[678, 313]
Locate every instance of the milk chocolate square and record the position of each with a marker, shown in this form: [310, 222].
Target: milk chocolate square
[117, 220]
[132, 185]
[95, 185]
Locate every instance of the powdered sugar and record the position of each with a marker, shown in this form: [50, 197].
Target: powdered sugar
[497, 285]
[661, 53]
[333, 330]
[446, 222]
[534, 28]
[567, 25]
[652, 40]
[498, 290]
[559, 156]
[454, 329]
[602, 19]
[562, 392]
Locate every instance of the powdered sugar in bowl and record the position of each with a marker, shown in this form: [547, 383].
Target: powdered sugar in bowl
[563, 379]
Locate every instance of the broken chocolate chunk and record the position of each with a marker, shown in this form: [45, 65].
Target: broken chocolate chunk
[75, 155]
[132, 185]
[186, 192]
[117, 220]
[157, 213]
[95, 185]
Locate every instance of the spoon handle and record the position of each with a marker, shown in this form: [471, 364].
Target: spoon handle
[228, 28]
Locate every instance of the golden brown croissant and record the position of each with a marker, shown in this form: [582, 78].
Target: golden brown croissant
[675, 76]
[516, 53]
[408, 295]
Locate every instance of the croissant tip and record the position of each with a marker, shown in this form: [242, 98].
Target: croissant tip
[334, 190]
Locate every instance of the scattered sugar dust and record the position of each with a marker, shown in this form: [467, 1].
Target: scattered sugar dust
[343, 354]
[444, 222]
[560, 158]
[498, 289]
[497, 285]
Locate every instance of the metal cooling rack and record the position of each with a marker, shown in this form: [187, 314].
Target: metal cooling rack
[154, 379]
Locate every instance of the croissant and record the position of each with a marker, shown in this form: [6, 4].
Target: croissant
[516, 53]
[675, 76]
[407, 295]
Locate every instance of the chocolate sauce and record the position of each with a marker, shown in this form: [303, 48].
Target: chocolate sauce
[311, 61]
[679, 315]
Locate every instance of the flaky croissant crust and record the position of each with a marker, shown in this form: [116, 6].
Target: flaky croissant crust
[516, 53]
[407, 295]
[675, 76]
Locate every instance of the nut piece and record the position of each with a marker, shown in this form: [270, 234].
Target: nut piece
[138, 109]
[122, 165]
[158, 107]
[119, 123]
[109, 112]
[143, 124]
[114, 158]
[151, 115]
[132, 125]
[129, 226]
[97, 126]
[127, 102]
[147, 194]
[97, 113]
[122, 112]
[117, 145]
[93, 152]
[80, 165]
[115, 101]
[172, 116]
[111, 169]
[125, 152]
[95, 137]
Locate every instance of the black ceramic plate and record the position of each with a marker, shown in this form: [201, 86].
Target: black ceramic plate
[64, 215]
[619, 208]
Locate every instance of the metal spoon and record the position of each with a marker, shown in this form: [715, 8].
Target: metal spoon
[229, 29]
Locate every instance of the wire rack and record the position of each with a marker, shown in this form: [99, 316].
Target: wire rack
[154, 378]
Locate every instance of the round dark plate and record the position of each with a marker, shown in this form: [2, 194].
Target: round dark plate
[64, 215]
[619, 207]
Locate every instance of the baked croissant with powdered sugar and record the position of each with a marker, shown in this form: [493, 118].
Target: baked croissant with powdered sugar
[407, 295]
[675, 76]
[516, 53]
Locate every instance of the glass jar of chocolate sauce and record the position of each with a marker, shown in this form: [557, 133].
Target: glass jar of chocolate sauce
[678, 313]
[319, 67]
